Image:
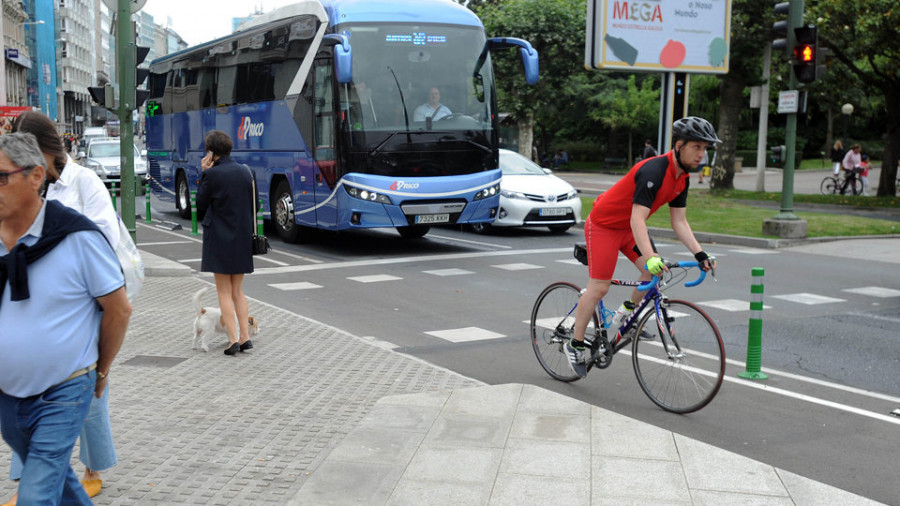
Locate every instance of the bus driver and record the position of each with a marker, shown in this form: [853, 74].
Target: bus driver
[433, 108]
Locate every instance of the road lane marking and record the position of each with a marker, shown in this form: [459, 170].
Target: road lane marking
[411, 259]
[449, 272]
[302, 285]
[874, 291]
[374, 278]
[810, 299]
[161, 243]
[466, 334]
[518, 267]
[730, 304]
[480, 243]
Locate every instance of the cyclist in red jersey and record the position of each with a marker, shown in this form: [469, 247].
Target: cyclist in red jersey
[618, 223]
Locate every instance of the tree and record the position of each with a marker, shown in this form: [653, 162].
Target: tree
[556, 29]
[627, 106]
[862, 36]
[749, 34]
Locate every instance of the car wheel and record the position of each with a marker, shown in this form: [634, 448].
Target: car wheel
[283, 213]
[559, 229]
[480, 228]
[413, 232]
[182, 196]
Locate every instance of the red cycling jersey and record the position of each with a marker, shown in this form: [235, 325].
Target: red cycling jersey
[651, 183]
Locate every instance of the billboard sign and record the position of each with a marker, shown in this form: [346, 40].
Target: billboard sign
[658, 35]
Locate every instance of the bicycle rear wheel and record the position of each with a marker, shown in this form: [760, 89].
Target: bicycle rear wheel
[828, 186]
[856, 187]
[552, 321]
[682, 367]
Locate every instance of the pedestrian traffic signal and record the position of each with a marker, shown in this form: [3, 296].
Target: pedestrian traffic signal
[778, 154]
[103, 95]
[806, 54]
[780, 28]
[140, 75]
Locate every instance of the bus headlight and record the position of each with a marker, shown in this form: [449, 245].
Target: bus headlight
[487, 192]
[359, 193]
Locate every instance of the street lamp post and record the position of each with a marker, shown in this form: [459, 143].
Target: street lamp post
[846, 110]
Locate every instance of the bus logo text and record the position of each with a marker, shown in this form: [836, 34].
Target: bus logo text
[403, 185]
[250, 129]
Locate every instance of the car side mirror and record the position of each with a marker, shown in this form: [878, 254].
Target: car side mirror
[547, 171]
[80, 154]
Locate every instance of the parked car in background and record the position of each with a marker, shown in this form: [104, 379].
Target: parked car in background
[531, 196]
[103, 157]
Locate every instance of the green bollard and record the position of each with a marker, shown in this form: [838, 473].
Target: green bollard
[194, 213]
[754, 335]
[147, 195]
[259, 220]
[112, 193]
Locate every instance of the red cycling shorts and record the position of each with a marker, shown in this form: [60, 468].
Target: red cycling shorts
[603, 247]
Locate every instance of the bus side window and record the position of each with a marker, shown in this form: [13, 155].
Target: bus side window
[323, 107]
[225, 90]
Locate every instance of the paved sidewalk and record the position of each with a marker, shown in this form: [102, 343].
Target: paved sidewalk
[314, 415]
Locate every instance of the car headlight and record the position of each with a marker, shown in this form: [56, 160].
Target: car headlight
[487, 192]
[513, 195]
[572, 194]
[359, 193]
[97, 167]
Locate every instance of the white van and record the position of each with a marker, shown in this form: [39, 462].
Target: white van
[91, 133]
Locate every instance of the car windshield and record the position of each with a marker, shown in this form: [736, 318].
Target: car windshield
[107, 150]
[512, 163]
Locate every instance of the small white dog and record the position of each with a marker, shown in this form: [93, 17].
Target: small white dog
[209, 322]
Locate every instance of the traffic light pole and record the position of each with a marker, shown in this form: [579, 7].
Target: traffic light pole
[125, 69]
[786, 223]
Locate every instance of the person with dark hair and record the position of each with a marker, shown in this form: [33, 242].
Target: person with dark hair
[432, 108]
[618, 223]
[80, 189]
[63, 317]
[226, 196]
[648, 149]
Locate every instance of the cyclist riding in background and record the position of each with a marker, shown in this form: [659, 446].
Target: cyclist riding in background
[618, 222]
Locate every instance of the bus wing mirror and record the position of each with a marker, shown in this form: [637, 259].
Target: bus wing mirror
[529, 55]
[343, 56]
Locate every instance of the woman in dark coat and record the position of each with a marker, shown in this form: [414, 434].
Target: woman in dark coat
[226, 196]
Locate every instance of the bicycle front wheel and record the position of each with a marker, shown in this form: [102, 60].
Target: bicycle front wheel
[828, 186]
[552, 323]
[681, 368]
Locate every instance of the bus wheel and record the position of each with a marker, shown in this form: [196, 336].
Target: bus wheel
[413, 232]
[182, 196]
[283, 213]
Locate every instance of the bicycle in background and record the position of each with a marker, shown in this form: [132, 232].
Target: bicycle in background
[679, 358]
[841, 184]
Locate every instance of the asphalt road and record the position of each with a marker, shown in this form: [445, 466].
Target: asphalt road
[462, 301]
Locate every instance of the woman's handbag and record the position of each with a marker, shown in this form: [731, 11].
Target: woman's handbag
[260, 242]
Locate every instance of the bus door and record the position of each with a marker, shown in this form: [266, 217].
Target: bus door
[324, 142]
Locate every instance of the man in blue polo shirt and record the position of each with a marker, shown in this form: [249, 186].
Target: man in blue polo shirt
[63, 317]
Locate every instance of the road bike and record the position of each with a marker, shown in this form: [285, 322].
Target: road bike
[678, 358]
[833, 185]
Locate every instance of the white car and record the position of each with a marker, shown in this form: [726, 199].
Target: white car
[533, 197]
[103, 157]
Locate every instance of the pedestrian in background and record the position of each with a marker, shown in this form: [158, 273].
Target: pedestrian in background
[63, 317]
[226, 196]
[837, 156]
[80, 189]
[649, 150]
[864, 175]
[852, 158]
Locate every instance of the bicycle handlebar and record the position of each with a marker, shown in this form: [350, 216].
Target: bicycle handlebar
[684, 264]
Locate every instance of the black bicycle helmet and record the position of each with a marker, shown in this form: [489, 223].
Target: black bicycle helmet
[693, 128]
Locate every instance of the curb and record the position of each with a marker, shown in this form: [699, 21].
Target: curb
[158, 266]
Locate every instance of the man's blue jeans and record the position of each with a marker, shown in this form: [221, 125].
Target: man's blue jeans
[43, 430]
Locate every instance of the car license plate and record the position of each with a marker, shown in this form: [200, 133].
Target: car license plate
[554, 211]
[433, 218]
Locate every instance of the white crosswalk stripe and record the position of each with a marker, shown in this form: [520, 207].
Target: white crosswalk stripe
[466, 334]
[448, 272]
[374, 278]
[302, 285]
[730, 304]
[749, 251]
[874, 291]
[810, 299]
[518, 267]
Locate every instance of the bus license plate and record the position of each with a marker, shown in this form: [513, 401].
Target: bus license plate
[433, 218]
[554, 211]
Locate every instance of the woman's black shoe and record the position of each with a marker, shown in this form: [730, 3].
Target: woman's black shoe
[247, 346]
[233, 349]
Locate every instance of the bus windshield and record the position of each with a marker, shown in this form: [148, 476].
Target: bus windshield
[417, 78]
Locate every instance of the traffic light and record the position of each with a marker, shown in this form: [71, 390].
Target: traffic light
[778, 154]
[780, 28]
[103, 95]
[140, 75]
[806, 53]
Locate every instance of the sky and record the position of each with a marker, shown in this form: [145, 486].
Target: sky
[198, 21]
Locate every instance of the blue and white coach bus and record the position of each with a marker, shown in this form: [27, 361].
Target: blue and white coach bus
[321, 100]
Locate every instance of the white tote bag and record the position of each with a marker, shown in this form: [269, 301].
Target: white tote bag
[130, 259]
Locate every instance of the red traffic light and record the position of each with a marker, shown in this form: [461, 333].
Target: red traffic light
[805, 53]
